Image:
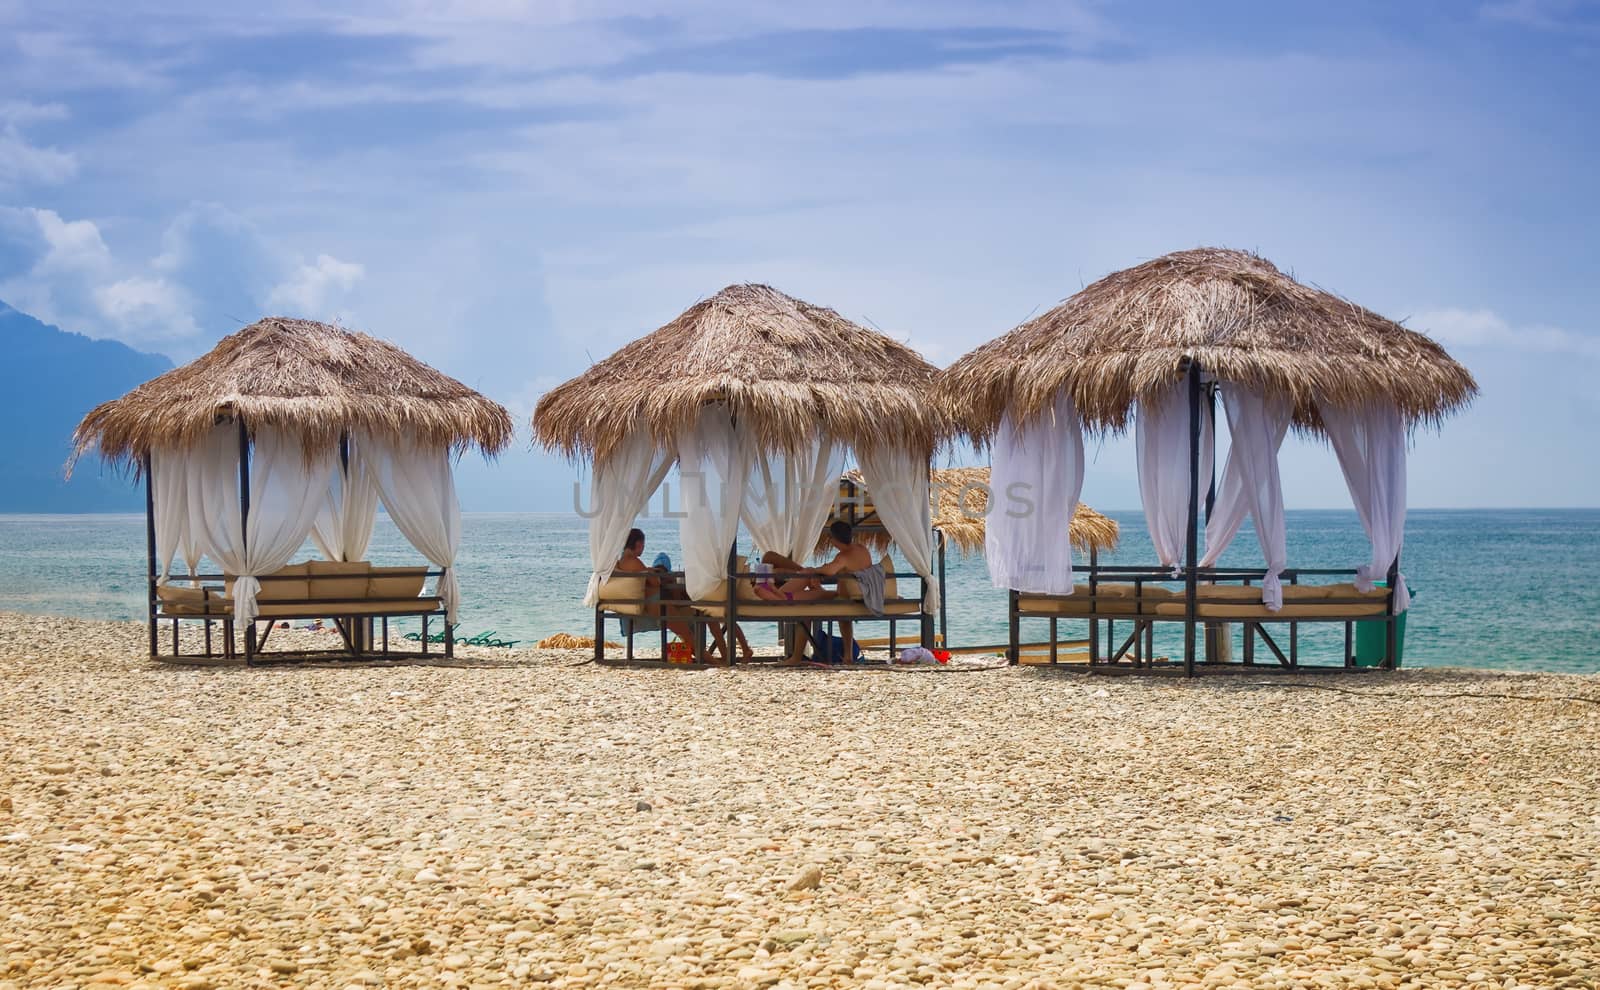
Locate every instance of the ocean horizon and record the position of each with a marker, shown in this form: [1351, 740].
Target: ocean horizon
[1494, 588]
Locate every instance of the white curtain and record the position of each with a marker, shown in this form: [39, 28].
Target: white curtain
[419, 490]
[1251, 485]
[285, 495]
[714, 466]
[169, 481]
[1035, 478]
[1162, 441]
[349, 508]
[897, 479]
[1371, 443]
[790, 496]
[618, 491]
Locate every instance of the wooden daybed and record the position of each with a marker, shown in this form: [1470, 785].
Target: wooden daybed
[352, 594]
[1142, 600]
[623, 598]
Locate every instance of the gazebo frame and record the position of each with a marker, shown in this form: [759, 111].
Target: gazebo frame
[356, 631]
[1193, 574]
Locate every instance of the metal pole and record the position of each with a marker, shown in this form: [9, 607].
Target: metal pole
[944, 600]
[1392, 625]
[730, 614]
[249, 628]
[1192, 578]
[150, 547]
[1013, 650]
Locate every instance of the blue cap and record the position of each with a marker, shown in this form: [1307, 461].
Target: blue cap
[662, 561]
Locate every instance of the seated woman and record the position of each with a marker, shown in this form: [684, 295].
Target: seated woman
[631, 562]
[850, 559]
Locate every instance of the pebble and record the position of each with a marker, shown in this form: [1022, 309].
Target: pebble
[204, 828]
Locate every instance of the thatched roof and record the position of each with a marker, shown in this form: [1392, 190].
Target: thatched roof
[309, 377]
[960, 506]
[1130, 334]
[785, 368]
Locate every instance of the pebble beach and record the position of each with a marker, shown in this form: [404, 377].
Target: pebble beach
[526, 818]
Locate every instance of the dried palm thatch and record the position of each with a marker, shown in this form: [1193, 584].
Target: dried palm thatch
[960, 499]
[315, 379]
[785, 368]
[1130, 334]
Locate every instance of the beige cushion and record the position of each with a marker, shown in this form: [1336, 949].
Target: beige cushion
[171, 594]
[395, 582]
[1259, 611]
[623, 586]
[747, 586]
[888, 582]
[338, 580]
[835, 609]
[275, 588]
[849, 587]
[365, 606]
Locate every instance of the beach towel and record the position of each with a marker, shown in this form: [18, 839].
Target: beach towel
[872, 587]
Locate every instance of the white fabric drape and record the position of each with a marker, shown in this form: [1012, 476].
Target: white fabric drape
[169, 481]
[897, 478]
[285, 494]
[349, 508]
[1161, 436]
[790, 495]
[1251, 485]
[1035, 478]
[1370, 441]
[714, 467]
[418, 488]
[618, 492]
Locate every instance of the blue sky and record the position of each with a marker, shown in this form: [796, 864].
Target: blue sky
[510, 188]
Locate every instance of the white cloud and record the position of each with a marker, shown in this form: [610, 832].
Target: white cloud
[22, 162]
[311, 289]
[1482, 328]
[147, 309]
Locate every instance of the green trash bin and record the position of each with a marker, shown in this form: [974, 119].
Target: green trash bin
[1372, 636]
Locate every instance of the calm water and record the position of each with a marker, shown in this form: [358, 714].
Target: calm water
[1506, 588]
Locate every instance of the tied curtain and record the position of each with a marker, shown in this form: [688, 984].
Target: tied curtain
[285, 496]
[419, 490]
[349, 507]
[1161, 437]
[1370, 441]
[898, 480]
[618, 492]
[1036, 477]
[714, 466]
[169, 481]
[1251, 485]
[790, 496]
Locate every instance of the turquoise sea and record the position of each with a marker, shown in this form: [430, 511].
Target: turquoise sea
[1508, 589]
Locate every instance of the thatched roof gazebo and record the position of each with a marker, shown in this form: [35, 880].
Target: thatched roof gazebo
[755, 396]
[287, 429]
[1130, 335]
[789, 371]
[1148, 344]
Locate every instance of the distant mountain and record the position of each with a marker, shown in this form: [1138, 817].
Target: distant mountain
[51, 379]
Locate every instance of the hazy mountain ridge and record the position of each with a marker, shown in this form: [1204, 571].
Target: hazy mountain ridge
[53, 377]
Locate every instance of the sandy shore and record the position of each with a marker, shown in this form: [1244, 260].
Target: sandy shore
[532, 820]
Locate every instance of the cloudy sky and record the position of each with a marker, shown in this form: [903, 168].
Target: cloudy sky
[510, 188]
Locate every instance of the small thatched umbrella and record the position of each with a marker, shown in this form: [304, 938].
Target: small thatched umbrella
[338, 421]
[961, 502]
[317, 380]
[785, 368]
[1132, 334]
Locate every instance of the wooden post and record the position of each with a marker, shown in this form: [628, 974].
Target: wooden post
[730, 614]
[1191, 583]
[150, 547]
